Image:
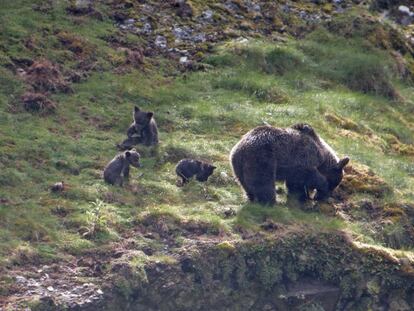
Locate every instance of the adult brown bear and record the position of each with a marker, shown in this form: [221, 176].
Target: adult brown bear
[296, 155]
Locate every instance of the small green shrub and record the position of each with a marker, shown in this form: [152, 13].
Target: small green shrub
[242, 82]
[222, 60]
[282, 60]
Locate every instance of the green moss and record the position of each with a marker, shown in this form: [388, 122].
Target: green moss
[226, 246]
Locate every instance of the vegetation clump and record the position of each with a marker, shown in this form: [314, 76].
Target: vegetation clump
[360, 179]
[44, 76]
[37, 102]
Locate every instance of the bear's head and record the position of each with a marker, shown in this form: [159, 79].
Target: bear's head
[141, 118]
[205, 172]
[333, 175]
[133, 157]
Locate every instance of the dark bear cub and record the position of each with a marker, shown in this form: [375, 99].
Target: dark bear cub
[118, 169]
[187, 168]
[143, 130]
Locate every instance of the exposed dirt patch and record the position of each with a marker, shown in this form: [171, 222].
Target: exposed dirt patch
[44, 76]
[342, 122]
[398, 147]
[76, 44]
[135, 58]
[359, 178]
[167, 226]
[37, 102]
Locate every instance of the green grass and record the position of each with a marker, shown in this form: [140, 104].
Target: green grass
[202, 115]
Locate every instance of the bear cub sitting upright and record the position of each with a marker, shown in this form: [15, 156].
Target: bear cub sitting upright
[143, 130]
[187, 168]
[118, 169]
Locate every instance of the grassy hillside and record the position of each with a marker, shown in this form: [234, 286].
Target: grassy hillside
[354, 90]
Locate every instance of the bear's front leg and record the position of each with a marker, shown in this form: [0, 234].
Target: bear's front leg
[126, 172]
[119, 181]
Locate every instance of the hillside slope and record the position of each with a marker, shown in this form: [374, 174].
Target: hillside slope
[70, 75]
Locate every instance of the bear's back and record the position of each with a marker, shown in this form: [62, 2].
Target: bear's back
[291, 147]
[115, 166]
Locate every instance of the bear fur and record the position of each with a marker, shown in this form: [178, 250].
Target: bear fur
[118, 168]
[143, 130]
[296, 155]
[187, 168]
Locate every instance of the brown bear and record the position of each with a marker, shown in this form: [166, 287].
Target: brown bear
[187, 168]
[118, 169]
[143, 130]
[296, 155]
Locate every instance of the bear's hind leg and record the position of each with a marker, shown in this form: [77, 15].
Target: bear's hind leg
[265, 193]
[259, 184]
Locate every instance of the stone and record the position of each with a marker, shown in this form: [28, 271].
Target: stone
[129, 24]
[81, 7]
[182, 33]
[404, 15]
[305, 291]
[201, 37]
[183, 60]
[20, 279]
[207, 15]
[161, 42]
[146, 29]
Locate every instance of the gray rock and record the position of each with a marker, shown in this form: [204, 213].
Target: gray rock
[183, 60]
[83, 4]
[207, 15]
[161, 42]
[182, 33]
[231, 6]
[405, 10]
[129, 24]
[20, 279]
[404, 15]
[253, 7]
[81, 7]
[201, 37]
[146, 29]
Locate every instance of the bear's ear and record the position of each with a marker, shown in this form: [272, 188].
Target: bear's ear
[136, 109]
[343, 162]
[150, 115]
[127, 154]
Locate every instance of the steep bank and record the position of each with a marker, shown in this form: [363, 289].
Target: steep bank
[70, 76]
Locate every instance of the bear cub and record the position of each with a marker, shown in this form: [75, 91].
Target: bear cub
[118, 169]
[187, 168]
[143, 130]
